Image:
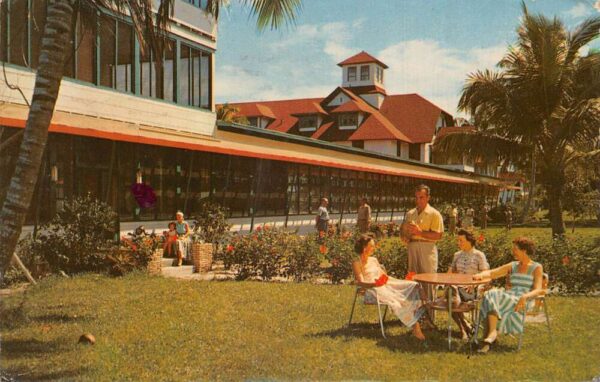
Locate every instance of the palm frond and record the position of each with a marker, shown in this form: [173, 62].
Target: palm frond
[480, 145]
[273, 13]
[583, 34]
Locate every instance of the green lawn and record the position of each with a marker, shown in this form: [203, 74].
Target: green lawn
[165, 329]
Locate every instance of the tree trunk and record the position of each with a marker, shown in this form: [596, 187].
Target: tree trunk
[555, 204]
[531, 189]
[47, 83]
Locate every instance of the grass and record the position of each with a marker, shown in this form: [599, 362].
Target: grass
[152, 328]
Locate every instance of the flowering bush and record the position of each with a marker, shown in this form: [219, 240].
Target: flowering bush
[303, 260]
[135, 252]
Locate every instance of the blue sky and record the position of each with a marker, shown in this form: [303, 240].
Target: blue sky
[429, 45]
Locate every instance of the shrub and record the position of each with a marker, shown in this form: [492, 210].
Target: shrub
[393, 255]
[303, 260]
[339, 252]
[135, 252]
[78, 237]
[210, 225]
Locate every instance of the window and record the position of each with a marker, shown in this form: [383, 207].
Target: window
[358, 144]
[108, 30]
[379, 74]
[194, 77]
[253, 121]
[38, 20]
[414, 151]
[124, 69]
[307, 123]
[352, 73]
[348, 119]
[152, 82]
[86, 51]
[364, 73]
[17, 30]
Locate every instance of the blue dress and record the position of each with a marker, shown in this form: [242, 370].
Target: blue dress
[503, 302]
[184, 243]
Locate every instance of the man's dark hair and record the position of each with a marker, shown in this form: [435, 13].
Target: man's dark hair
[468, 235]
[423, 187]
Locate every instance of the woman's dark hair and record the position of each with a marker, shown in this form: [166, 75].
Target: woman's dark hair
[468, 235]
[361, 243]
[525, 244]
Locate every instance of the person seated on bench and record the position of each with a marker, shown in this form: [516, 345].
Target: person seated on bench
[468, 260]
[402, 296]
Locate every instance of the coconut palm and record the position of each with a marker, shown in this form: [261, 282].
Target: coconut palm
[149, 25]
[541, 107]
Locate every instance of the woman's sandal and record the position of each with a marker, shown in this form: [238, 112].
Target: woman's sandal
[487, 345]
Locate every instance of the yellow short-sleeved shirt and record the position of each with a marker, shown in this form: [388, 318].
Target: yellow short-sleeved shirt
[429, 219]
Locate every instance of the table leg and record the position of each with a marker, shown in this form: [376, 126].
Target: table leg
[450, 318]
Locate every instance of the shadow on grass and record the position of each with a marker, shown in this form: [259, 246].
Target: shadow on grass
[57, 318]
[26, 374]
[14, 349]
[436, 339]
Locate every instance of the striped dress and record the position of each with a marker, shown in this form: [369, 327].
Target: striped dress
[503, 301]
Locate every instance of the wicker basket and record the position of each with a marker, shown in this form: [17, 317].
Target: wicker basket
[155, 264]
[202, 257]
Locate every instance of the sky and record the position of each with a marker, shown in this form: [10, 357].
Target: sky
[430, 46]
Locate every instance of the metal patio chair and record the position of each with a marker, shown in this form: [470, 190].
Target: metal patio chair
[368, 301]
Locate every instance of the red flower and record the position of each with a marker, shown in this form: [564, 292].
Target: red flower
[258, 229]
[566, 260]
[382, 280]
[481, 238]
[323, 250]
[230, 248]
[410, 275]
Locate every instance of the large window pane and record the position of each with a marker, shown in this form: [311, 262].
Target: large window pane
[183, 73]
[195, 82]
[38, 21]
[205, 72]
[124, 73]
[18, 32]
[107, 52]
[169, 68]
[145, 69]
[86, 49]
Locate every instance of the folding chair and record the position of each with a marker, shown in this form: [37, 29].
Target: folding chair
[366, 301]
[540, 303]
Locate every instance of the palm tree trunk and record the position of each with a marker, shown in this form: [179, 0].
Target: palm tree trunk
[531, 189]
[47, 83]
[555, 203]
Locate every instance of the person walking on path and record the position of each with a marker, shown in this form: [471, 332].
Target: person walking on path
[469, 216]
[509, 217]
[322, 218]
[484, 216]
[426, 227]
[363, 219]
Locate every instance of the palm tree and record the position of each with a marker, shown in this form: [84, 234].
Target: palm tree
[541, 107]
[228, 113]
[149, 26]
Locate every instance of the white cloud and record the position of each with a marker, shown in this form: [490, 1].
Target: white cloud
[433, 71]
[580, 10]
[597, 5]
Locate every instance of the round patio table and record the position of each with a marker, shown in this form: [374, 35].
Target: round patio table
[448, 279]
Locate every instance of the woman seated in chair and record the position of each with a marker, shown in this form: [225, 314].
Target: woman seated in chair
[503, 307]
[468, 260]
[403, 297]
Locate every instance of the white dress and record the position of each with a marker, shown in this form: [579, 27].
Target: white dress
[402, 296]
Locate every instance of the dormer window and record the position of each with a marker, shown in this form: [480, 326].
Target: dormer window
[253, 121]
[307, 123]
[352, 73]
[379, 74]
[348, 121]
[364, 73]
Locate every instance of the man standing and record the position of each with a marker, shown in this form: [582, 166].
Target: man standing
[484, 216]
[426, 227]
[363, 219]
[322, 218]
[469, 218]
[509, 217]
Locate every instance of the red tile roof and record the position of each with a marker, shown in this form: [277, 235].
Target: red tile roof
[371, 89]
[351, 106]
[406, 117]
[361, 58]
